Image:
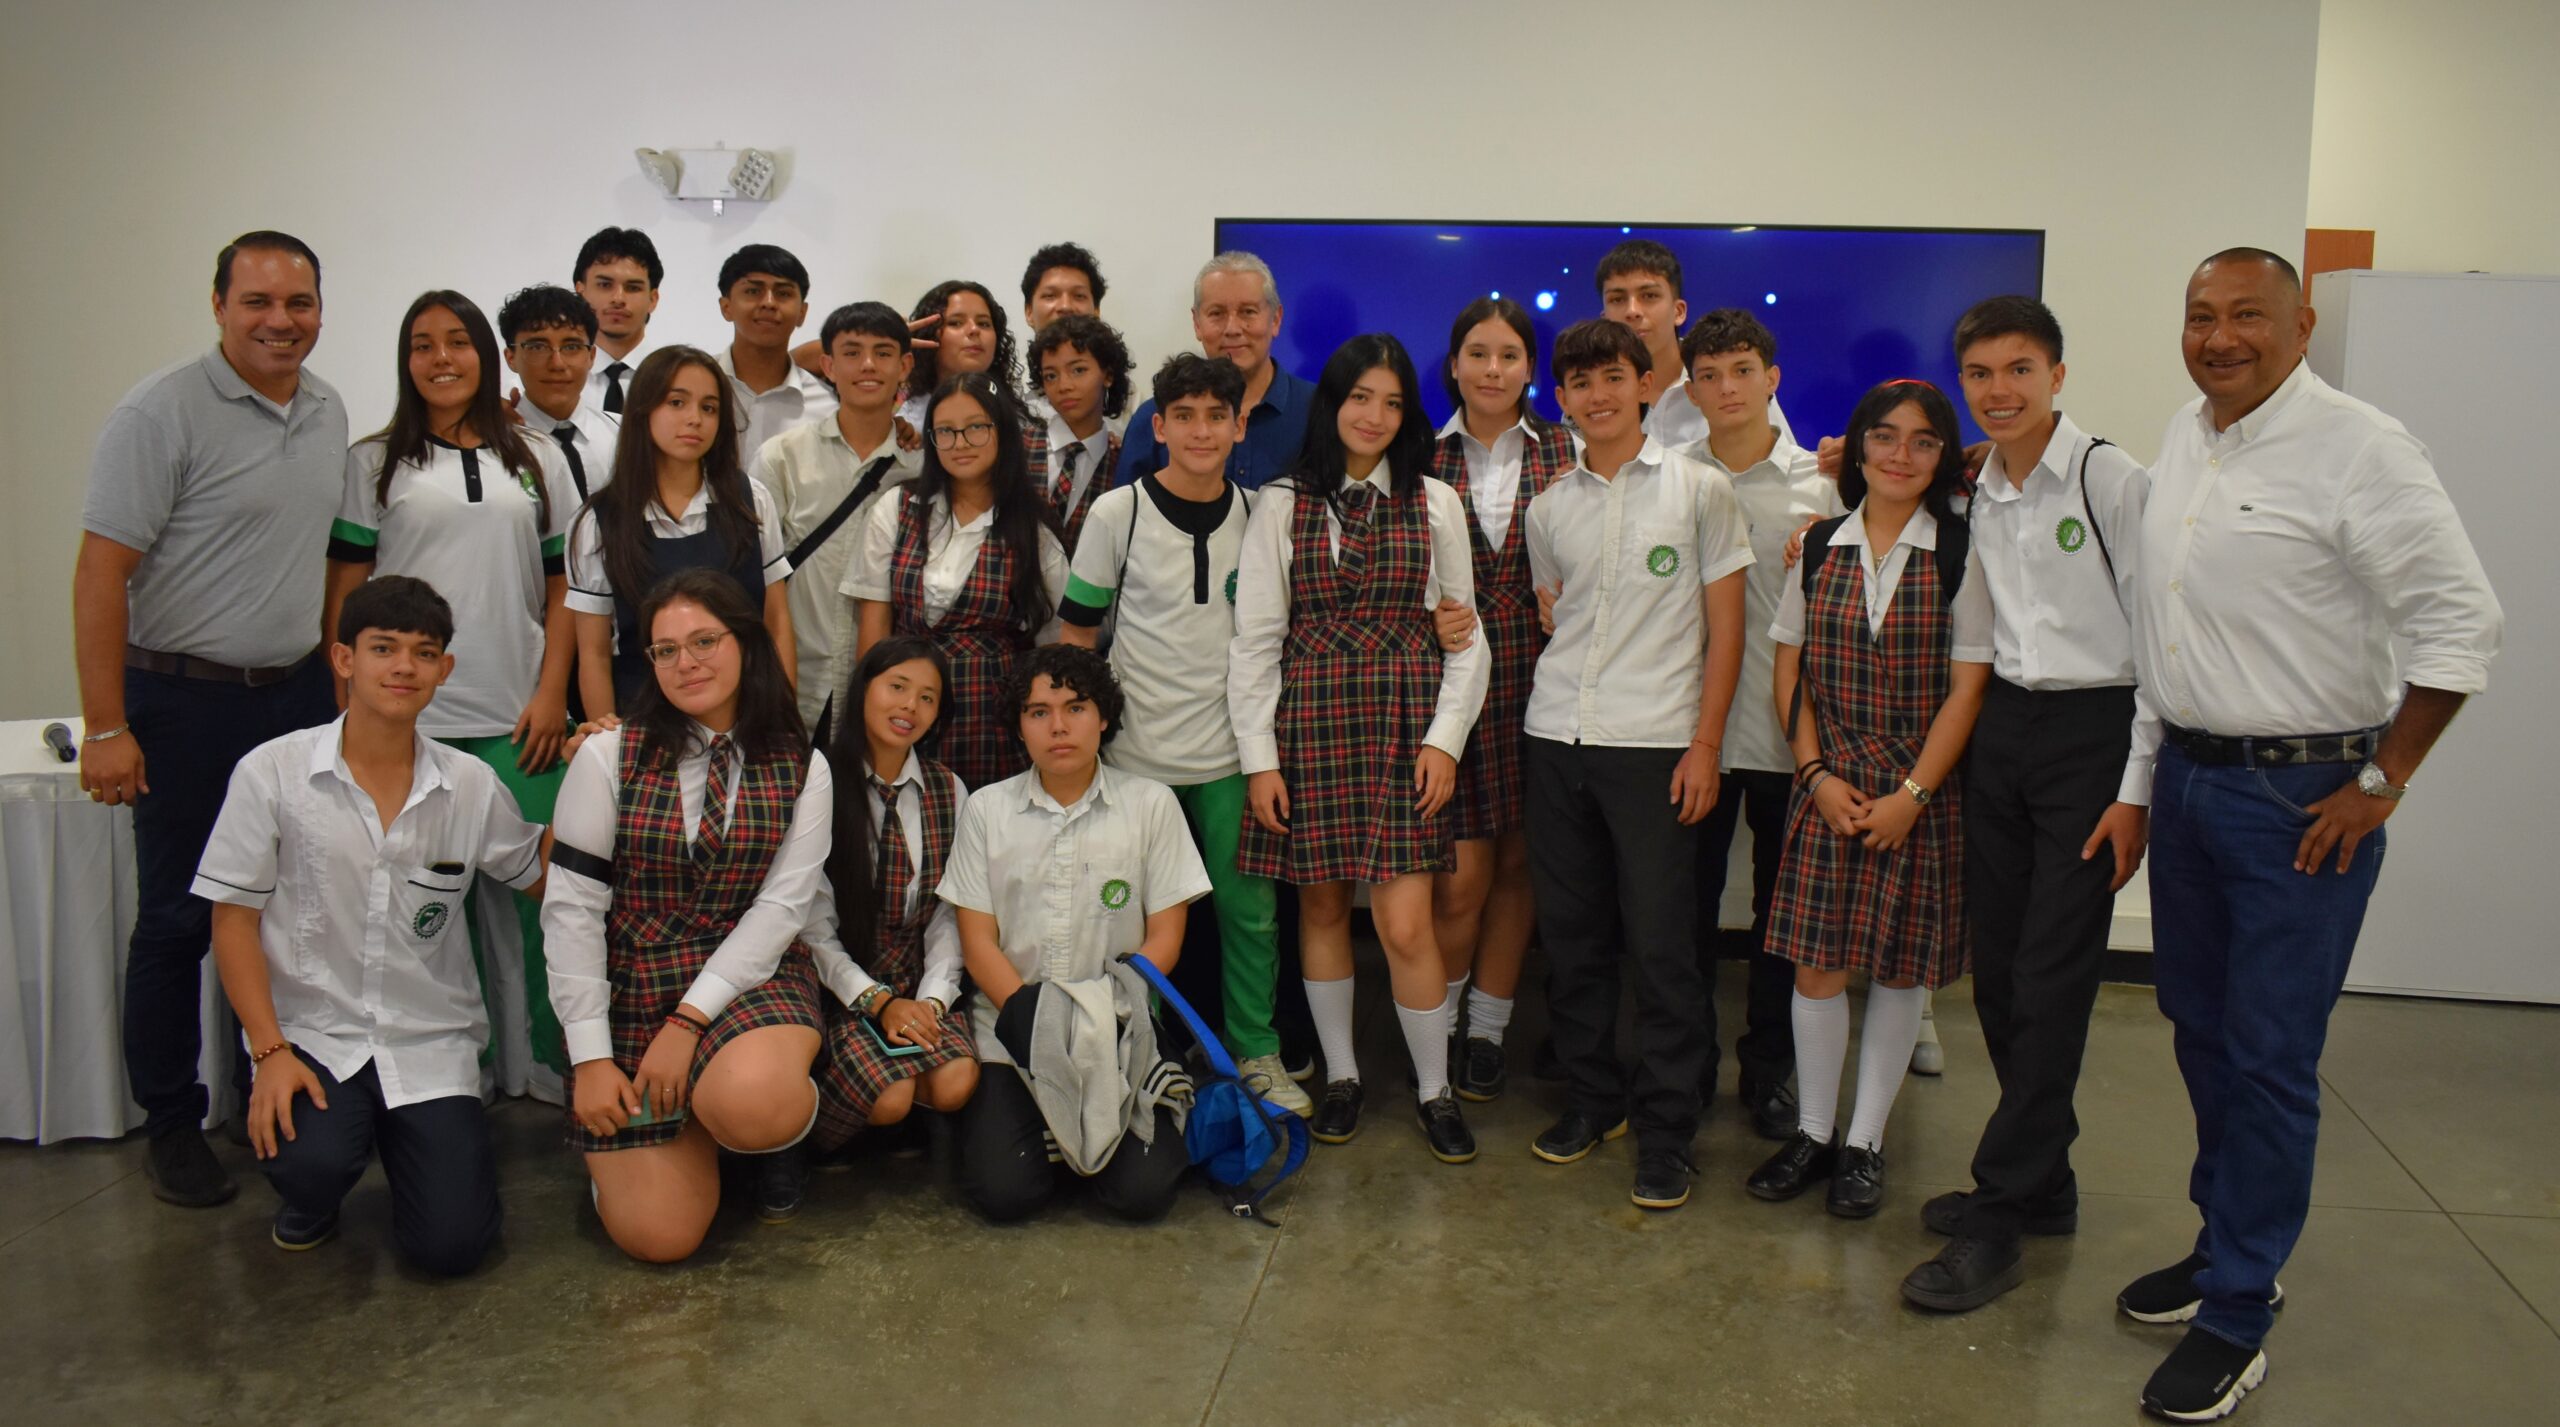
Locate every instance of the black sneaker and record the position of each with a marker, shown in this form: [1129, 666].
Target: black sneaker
[782, 1177]
[1662, 1180]
[184, 1172]
[1773, 1110]
[2168, 1295]
[1857, 1185]
[294, 1232]
[1299, 1061]
[1965, 1275]
[1572, 1136]
[1798, 1165]
[1338, 1113]
[2203, 1380]
[1944, 1214]
[1446, 1129]
[1481, 1072]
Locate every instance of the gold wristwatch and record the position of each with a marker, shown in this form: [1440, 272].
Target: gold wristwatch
[1918, 794]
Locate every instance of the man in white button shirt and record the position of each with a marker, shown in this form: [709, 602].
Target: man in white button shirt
[2291, 535]
[618, 273]
[337, 872]
[764, 297]
[2056, 802]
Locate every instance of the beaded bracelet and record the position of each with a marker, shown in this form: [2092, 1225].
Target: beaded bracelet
[258, 1057]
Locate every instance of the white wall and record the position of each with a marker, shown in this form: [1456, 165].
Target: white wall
[2437, 126]
[456, 145]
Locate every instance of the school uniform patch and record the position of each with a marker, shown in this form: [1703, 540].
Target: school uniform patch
[2071, 535]
[1115, 894]
[1231, 587]
[431, 919]
[1662, 561]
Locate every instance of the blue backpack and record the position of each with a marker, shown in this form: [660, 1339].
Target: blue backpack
[1231, 1132]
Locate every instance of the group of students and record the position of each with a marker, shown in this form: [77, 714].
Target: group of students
[845, 717]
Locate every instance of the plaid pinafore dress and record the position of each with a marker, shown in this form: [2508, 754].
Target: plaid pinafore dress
[1492, 778]
[1897, 915]
[673, 904]
[1068, 513]
[854, 1070]
[978, 634]
[1360, 678]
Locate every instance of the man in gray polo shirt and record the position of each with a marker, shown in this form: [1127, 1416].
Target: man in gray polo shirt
[195, 612]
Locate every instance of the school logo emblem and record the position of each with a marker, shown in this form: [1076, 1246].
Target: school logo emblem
[1231, 587]
[431, 919]
[2071, 535]
[1115, 894]
[532, 486]
[1663, 561]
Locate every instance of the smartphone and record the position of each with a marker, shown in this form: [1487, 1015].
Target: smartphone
[886, 1045]
[649, 1116]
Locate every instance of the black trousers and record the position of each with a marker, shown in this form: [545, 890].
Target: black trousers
[436, 1154]
[1005, 1173]
[2042, 768]
[1766, 1050]
[1611, 866]
[193, 733]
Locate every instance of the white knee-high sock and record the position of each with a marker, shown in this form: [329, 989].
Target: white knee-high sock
[1884, 1056]
[1426, 1039]
[1822, 1047]
[1329, 1005]
[1487, 1016]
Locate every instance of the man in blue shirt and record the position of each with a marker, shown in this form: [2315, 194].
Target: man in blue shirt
[1235, 312]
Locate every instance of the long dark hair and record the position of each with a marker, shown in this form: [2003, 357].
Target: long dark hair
[621, 509]
[1511, 315]
[405, 441]
[852, 865]
[1005, 368]
[1945, 484]
[1021, 513]
[768, 723]
[1323, 460]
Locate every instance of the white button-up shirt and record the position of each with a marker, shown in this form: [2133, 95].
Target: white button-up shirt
[2283, 554]
[1629, 554]
[600, 377]
[950, 558]
[591, 584]
[849, 980]
[588, 817]
[1262, 618]
[799, 397]
[1493, 473]
[1969, 615]
[1778, 494]
[809, 470]
[367, 956]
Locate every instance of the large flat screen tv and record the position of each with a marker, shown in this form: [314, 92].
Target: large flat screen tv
[1850, 306]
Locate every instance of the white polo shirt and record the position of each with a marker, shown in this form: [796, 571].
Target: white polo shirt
[1777, 495]
[849, 980]
[1176, 594]
[1627, 663]
[951, 555]
[367, 957]
[1969, 615]
[762, 415]
[1070, 887]
[809, 470]
[465, 524]
[591, 585]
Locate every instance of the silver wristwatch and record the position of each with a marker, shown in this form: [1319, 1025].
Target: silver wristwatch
[2371, 782]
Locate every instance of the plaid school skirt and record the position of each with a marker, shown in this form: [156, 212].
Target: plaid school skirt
[1354, 705]
[647, 989]
[1492, 791]
[981, 733]
[1899, 915]
[853, 1071]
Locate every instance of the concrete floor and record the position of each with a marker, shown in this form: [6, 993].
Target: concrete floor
[1397, 1290]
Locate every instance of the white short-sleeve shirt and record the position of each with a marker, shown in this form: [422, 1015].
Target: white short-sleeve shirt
[951, 554]
[1176, 597]
[1778, 494]
[591, 586]
[809, 471]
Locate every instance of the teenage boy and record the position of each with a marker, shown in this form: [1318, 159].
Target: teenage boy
[1164, 551]
[1080, 365]
[2056, 802]
[1639, 282]
[1057, 875]
[824, 476]
[1061, 280]
[1235, 314]
[764, 297]
[1641, 550]
[618, 273]
[550, 336]
[1732, 365]
[337, 871]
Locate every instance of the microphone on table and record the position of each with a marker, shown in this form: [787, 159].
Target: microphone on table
[57, 737]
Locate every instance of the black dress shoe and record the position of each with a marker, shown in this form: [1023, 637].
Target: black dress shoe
[1798, 1165]
[1573, 1135]
[1445, 1129]
[2168, 1295]
[1338, 1114]
[2203, 1380]
[1944, 1214]
[1857, 1186]
[183, 1171]
[782, 1180]
[1662, 1180]
[1773, 1110]
[1966, 1274]
[1481, 1072]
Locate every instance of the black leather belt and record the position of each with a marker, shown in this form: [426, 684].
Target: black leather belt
[187, 666]
[2217, 750]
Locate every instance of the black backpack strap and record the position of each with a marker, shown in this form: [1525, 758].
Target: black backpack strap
[1817, 549]
[2089, 508]
[863, 486]
[1955, 541]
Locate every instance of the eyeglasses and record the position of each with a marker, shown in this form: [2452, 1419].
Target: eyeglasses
[1923, 447]
[700, 646]
[976, 433]
[538, 349]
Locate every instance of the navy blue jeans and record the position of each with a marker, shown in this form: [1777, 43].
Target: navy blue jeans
[436, 1156]
[2249, 956]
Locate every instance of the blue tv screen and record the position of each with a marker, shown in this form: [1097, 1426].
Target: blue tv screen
[1850, 307]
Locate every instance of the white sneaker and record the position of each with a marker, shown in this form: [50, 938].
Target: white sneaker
[1927, 1056]
[1270, 1079]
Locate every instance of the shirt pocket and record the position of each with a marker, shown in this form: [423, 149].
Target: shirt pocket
[426, 904]
[1662, 553]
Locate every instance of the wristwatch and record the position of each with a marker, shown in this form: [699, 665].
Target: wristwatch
[1919, 795]
[2371, 781]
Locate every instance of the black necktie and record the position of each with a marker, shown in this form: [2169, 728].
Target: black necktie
[567, 436]
[613, 387]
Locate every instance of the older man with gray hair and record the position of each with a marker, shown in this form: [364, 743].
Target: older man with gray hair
[1235, 312]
